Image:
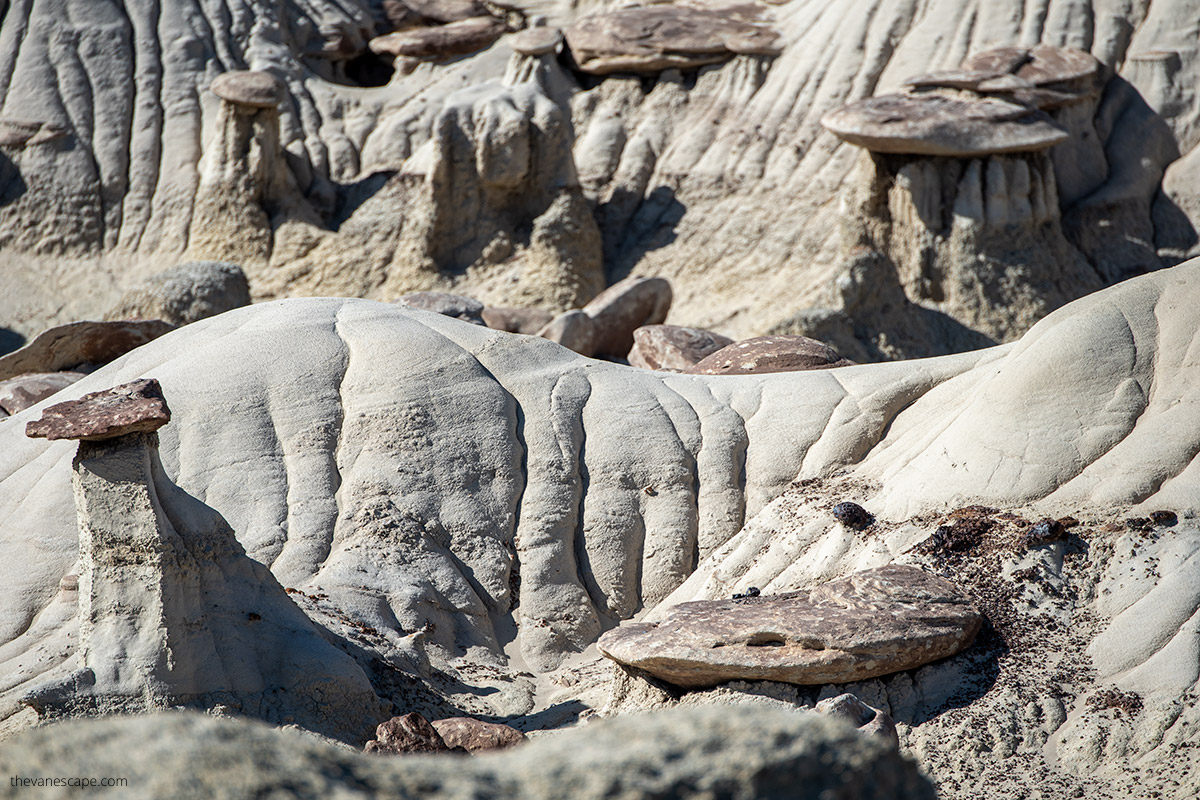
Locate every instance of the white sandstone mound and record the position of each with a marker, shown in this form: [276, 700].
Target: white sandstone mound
[462, 508]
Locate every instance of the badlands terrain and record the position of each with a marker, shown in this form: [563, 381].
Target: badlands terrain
[696, 399]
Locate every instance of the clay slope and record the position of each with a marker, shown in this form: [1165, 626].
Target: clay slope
[118, 160]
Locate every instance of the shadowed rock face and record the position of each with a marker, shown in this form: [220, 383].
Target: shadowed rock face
[663, 37]
[136, 407]
[937, 125]
[872, 623]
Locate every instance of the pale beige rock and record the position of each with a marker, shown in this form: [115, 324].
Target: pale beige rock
[937, 125]
[184, 294]
[574, 330]
[656, 38]
[867, 719]
[872, 623]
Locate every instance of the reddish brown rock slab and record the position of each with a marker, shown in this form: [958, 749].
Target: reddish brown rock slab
[441, 41]
[475, 735]
[18, 394]
[673, 347]
[953, 79]
[655, 38]
[867, 719]
[249, 88]
[410, 733]
[93, 344]
[623, 308]
[136, 407]
[871, 623]
[444, 11]
[783, 353]
[939, 125]
[516, 320]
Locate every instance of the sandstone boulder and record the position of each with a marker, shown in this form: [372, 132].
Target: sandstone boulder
[80, 344]
[623, 308]
[185, 294]
[659, 37]
[938, 125]
[249, 88]
[673, 347]
[475, 735]
[769, 354]
[18, 394]
[574, 330]
[136, 407]
[872, 623]
[410, 733]
[441, 41]
[468, 309]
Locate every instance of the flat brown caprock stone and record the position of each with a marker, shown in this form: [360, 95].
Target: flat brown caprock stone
[137, 407]
[249, 87]
[937, 125]
[871, 623]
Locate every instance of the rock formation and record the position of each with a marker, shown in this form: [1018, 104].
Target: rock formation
[170, 611]
[80, 346]
[18, 394]
[769, 354]
[477, 736]
[871, 623]
[673, 347]
[679, 753]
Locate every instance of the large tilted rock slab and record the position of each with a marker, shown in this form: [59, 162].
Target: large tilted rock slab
[937, 125]
[660, 37]
[79, 344]
[872, 623]
[709, 752]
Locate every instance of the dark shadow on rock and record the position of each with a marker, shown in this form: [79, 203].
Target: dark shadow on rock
[1175, 237]
[12, 185]
[978, 668]
[632, 225]
[350, 196]
[10, 340]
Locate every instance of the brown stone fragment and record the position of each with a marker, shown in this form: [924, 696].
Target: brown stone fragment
[516, 320]
[939, 125]
[250, 88]
[673, 347]
[1042, 65]
[91, 344]
[441, 41]
[475, 735]
[871, 623]
[659, 37]
[410, 733]
[136, 407]
[18, 394]
[574, 330]
[623, 308]
[781, 353]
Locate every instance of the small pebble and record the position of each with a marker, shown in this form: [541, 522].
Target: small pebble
[852, 515]
[1164, 518]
